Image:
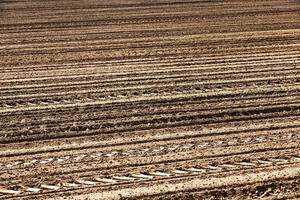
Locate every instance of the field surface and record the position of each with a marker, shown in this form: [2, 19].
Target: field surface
[149, 99]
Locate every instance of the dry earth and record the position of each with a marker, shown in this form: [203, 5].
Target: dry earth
[157, 99]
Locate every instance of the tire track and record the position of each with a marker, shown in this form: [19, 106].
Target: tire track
[143, 176]
[149, 151]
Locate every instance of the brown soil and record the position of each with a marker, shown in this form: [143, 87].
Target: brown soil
[160, 99]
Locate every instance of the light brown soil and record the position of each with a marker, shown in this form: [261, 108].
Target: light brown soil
[160, 99]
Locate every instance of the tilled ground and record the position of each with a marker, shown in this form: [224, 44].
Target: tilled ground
[160, 99]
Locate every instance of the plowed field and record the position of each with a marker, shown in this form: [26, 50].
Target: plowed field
[151, 100]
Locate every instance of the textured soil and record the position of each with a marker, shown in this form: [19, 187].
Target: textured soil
[151, 100]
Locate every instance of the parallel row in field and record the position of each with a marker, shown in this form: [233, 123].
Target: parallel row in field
[160, 99]
[166, 171]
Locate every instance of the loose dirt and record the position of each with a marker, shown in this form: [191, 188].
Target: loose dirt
[133, 99]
